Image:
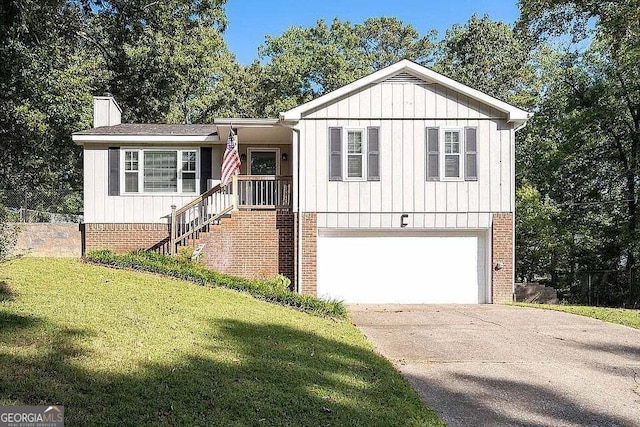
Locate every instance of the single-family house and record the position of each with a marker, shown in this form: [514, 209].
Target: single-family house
[396, 188]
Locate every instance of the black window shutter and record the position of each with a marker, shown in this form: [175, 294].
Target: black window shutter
[114, 171]
[205, 168]
[373, 164]
[433, 154]
[471, 154]
[335, 154]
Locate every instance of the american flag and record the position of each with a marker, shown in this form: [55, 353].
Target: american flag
[231, 160]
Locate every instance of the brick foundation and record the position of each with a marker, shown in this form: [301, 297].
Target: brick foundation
[502, 252]
[122, 238]
[252, 244]
[309, 253]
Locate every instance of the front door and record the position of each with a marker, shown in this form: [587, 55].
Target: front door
[264, 162]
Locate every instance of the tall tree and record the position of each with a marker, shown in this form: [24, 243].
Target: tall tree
[489, 56]
[304, 63]
[164, 61]
[600, 118]
[163, 56]
[45, 86]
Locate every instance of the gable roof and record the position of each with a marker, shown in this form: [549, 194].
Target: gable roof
[515, 114]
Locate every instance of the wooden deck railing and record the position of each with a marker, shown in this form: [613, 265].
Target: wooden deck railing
[264, 192]
[196, 216]
[245, 192]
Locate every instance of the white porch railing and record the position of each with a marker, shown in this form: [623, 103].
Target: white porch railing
[264, 192]
[246, 192]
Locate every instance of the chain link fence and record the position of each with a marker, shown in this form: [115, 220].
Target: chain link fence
[55, 206]
[610, 288]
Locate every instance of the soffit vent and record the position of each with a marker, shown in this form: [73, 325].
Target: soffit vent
[405, 78]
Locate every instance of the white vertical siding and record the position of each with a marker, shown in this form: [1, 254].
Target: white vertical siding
[99, 207]
[403, 112]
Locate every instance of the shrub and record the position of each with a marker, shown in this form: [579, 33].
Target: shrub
[280, 282]
[8, 234]
[274, 290]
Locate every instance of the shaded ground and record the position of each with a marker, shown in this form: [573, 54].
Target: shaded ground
[504, 366]
[124, 348]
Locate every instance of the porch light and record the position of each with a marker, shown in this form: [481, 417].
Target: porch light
[243, 158]
[285, 157]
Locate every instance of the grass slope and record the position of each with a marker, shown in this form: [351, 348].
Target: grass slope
[620, 316]
[125, 348]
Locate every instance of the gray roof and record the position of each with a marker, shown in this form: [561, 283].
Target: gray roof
[152, 129]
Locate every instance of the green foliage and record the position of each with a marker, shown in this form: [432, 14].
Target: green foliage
[8, 234]
[45, 85]
[185, 254]
[280, 282]
[164, 61]
[582, 148]
[304, 63]
[538, 240]
[489, 56]
[268, 290]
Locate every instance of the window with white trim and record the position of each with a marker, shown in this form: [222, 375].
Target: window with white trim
[189, 171]
[355, 160]
[452, 154]
[157, 171]
[131, 171]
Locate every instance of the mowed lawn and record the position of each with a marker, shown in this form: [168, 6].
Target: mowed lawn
[620, 316]
[125, 348]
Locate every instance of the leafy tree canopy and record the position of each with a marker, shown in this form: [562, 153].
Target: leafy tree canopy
[304, 63]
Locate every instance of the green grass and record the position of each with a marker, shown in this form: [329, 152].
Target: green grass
[620, 316]
[269, 290]
[119, 347]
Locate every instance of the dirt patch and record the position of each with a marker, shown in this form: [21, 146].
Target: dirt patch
[6, 292]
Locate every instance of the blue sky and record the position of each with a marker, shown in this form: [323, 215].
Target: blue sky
[251, 20]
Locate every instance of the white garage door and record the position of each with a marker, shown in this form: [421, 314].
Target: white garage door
[379, 268]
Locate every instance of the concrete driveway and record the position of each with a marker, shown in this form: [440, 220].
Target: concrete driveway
[495, 365]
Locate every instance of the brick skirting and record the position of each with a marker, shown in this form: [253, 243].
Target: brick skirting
[502, 254]
[309, 253]
[252, 244]
[122, 238]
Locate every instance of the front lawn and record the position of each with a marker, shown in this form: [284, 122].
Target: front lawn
[125, 348]
[620, 316]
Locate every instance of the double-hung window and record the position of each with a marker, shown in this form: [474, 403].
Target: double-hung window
[189, 171]
[131, 171]
[452, 155]
[153, 171]
[355, 154]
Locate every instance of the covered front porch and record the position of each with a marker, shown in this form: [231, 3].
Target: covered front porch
[265, 181]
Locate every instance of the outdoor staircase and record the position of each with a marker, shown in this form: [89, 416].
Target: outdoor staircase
[199, 215]
[189, 222]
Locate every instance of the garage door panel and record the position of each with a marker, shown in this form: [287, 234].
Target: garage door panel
[371, 268]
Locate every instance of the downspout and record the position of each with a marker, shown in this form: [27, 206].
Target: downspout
[298, 216]
[513, 217]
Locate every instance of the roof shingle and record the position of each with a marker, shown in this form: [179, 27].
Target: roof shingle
[152, 129]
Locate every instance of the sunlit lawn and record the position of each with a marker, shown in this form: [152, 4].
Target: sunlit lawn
[620, 316]
[125, 348]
